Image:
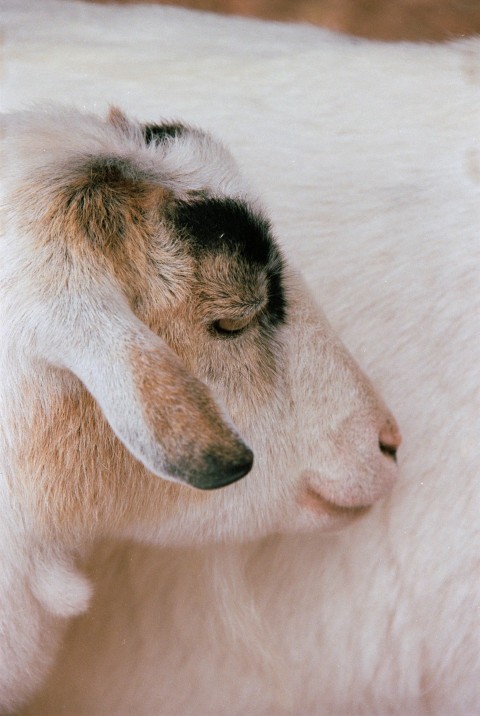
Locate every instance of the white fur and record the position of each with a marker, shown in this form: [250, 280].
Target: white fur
[367, 158]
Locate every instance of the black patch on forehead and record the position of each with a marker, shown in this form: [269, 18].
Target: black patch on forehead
[161, 132]
[231, 227]
[225, 225]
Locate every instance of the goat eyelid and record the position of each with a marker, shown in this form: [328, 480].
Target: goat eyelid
[231, 326]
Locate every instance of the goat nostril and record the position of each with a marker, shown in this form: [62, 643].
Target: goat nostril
[389, 440]
[388, 450]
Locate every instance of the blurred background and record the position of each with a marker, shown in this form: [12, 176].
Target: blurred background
[430, 20]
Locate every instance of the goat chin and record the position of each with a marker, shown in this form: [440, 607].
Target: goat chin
[183, 435]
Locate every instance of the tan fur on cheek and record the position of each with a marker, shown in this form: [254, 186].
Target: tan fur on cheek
[77, 478]
[241, 366]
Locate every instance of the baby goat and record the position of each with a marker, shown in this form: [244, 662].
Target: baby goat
[145, 305]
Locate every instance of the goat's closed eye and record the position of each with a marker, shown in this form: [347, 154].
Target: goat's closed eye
[230, 326]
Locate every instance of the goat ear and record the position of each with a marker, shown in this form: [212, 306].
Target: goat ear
[164, 415]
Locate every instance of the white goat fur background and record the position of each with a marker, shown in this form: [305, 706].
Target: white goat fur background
[367, 157]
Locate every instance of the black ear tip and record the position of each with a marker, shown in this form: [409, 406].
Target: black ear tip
[229, 474]
[218, 471]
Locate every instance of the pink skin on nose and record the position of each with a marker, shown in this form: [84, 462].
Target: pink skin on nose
[335, 500]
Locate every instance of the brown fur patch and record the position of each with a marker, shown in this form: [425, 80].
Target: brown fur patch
[107, 201]
[77, 478]
[112, 209]
[107, 218]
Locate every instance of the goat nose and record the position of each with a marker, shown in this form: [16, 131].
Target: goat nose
[389, 439]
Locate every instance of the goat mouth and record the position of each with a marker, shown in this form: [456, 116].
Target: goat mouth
[314, 501]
